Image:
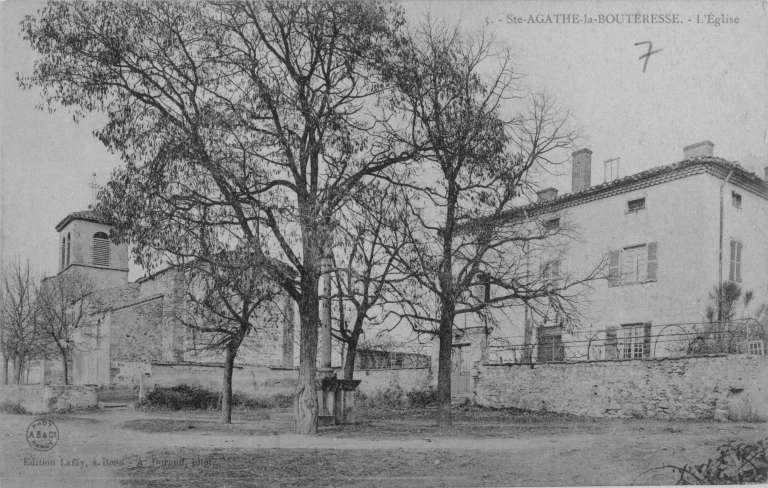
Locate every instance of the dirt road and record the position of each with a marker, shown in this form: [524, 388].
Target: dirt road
[140, 449]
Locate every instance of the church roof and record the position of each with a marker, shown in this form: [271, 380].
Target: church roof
[86, 215]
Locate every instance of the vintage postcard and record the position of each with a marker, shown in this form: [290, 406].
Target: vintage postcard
[380, 243]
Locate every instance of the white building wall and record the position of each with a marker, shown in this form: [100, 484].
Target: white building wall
[682, 217]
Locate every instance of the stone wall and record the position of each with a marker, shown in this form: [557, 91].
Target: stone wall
[262, 381]
[407, 379]
[255, 381]
[47, 398]
[135, 334]
[128, 374]
[717, 386]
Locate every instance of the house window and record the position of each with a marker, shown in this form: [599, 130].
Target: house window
[100, 249]
[736, 199]
[754, 348]
[636, 205]
[635, 264]
[550, 271]
[735, 274]
[630, 341]
[551, 344]
[552, 224]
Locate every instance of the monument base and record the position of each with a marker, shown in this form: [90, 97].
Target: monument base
[336, 399]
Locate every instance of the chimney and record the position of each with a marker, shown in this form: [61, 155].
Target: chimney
[703, 148]
[611, 167]
[766, 173]
[582, 170]
[547, 194]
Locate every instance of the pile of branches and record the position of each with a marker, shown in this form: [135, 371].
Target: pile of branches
[736, 463]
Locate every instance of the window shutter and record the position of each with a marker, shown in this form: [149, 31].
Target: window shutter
[738, 261]
[613, 268]
[647, 340]
[652, 262]
[731, 275]
[100, 249]
[611, 343]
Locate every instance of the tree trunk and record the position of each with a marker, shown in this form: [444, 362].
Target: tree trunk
[305, 405]
[447, 309]
[65, 360]
[349, 361]
[5, 371]
[444, 370]
[528, 338]
[4, 358]
[226, 396]
[17, 363]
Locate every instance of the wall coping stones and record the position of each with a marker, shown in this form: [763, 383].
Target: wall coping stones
[590, 361]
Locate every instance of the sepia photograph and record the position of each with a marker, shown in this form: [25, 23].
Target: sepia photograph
[383, 243]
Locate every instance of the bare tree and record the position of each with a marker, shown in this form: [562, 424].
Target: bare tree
[464, 233]
[20, 340]
[65, 305]
[228, 297]
[365, 266]
[270, 108]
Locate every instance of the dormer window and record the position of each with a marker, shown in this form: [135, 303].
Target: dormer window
[636, 205]
[100, 249]
[736, 199]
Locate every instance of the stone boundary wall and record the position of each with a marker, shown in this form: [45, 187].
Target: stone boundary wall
[255, 381]
[719, 386]
[407, 379]
[263, 381]
[50, 398]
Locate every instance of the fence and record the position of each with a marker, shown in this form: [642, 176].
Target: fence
[632, 341]
[374, 359]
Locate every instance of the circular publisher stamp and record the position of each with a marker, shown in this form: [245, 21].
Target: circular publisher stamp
[42, 434]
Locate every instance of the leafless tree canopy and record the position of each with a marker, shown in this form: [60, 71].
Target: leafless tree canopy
[65, 305]
[18, 317]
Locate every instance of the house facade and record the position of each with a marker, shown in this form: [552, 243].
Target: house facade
[665, 237]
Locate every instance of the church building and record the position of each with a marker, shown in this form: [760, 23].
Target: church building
[134, 325]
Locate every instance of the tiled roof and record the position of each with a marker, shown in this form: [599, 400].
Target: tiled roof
[87, 215]
[717, 167]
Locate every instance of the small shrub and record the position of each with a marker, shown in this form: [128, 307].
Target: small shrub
[13, 408]
[389, 398]
[422, 398]
[244, 402]
[736, 463]
[182, 397]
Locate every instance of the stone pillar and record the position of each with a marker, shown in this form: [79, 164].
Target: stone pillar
[325, 319]
[434, 359]
[478, 352]
[326, 396]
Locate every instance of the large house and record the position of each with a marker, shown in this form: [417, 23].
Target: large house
[668, 235]
[134, 325]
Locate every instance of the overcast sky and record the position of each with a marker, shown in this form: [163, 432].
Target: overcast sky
[706, 82]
